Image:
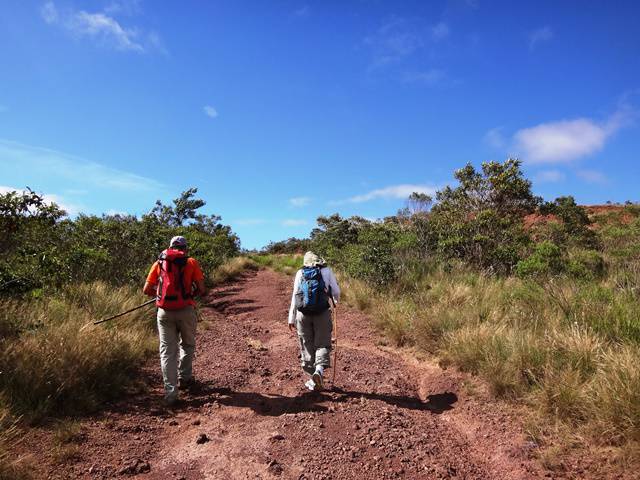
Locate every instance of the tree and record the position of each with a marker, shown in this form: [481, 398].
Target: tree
[183, 209]
[480, 220]
[575, 228]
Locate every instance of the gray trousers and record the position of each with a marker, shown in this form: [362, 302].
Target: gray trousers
[174, 325]
[314, 333]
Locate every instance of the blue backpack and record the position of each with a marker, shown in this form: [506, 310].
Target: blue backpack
[312, 296]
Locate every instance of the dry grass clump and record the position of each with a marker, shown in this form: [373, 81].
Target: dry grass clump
[11, 466]
[232, 269]
[61, 364]
[356, 293]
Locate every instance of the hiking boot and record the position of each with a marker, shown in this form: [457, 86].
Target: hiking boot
[187, 384]
[310, 384]
[170, 401]
[317, 380]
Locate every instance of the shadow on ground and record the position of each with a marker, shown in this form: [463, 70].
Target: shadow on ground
[276, 405]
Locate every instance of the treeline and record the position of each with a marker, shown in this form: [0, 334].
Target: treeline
[491, 222]
[44, 249]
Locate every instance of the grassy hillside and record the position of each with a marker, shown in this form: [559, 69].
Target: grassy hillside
[540, 299]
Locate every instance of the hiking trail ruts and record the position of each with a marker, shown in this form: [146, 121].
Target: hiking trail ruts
[250, 417]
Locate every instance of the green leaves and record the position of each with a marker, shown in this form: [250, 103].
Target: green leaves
[480, 220]
[44, 249]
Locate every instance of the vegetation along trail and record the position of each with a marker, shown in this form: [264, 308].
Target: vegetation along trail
[250, 417]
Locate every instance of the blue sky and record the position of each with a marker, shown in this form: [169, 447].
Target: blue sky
[281, 111]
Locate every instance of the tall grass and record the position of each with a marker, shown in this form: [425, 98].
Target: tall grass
[12, 467]
[232, 269]
[287, 264]
[56, 362]
[569, 349]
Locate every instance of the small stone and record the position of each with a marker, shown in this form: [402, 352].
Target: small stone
[173, 423]
[275, 468]
[195, 422]
[277, 437]
[202, 438]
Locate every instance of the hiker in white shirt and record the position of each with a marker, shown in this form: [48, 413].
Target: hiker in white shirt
[314, 289]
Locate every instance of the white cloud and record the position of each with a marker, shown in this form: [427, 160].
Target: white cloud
[567, 140]
[440, 31]
[299, 201]
[560, 141]
[392, 192]
[593, 176]
[495, 138]
[293, 222]
[103, 26]
[58, 166]
[303, 11]
[393, 41]
[112, 212]
[124, 7]
[249, 222]
[155, 42]
[49, 198]
[549, 176]
[49, 12]
[540, 35]
[210, 112]
[430, 77]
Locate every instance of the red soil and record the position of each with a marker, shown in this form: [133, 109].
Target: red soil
[388, 416]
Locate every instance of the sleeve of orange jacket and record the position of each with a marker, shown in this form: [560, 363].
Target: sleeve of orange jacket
[154, 274]
[197, 271]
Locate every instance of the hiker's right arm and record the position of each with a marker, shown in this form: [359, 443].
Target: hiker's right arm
[293, 311]
[149, 289]
[151, 285]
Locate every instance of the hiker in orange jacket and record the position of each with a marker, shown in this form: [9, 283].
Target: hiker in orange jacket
[175, 279]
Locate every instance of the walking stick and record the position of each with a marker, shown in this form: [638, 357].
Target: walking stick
[335, 351]
[124, 313]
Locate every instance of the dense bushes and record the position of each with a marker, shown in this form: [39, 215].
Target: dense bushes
[289, 246]
[491, 222]
[42, 249]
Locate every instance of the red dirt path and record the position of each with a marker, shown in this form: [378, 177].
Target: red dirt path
[389, 416]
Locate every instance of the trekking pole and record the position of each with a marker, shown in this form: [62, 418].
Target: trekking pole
[335, 351]
[124, 313]
[5, 284]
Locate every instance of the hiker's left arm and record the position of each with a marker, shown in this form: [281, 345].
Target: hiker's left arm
[201, 289]
[198, 279]
[333, 283]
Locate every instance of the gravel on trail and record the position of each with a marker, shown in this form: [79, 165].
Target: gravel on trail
[249, 416]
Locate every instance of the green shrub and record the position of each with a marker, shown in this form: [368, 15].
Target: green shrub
[42, 249]
[546, 259]
[586, 264]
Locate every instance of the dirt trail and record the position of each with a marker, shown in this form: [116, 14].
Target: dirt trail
[388, 417]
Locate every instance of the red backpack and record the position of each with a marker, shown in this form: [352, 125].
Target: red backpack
[171, 292]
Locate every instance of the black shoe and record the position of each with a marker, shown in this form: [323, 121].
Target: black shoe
[186, 384]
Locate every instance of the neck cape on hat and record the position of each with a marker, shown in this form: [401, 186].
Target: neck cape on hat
[313, 260]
